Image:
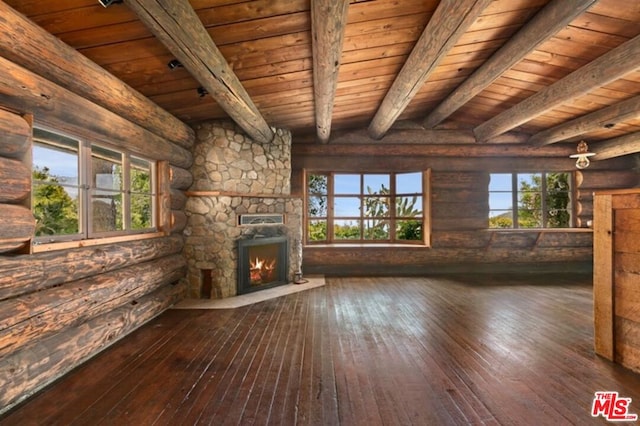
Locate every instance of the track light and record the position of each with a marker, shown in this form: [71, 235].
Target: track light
[202, 92]
[107, 3]
[174, 63]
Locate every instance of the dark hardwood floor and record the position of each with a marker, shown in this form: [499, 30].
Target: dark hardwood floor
[450, 350]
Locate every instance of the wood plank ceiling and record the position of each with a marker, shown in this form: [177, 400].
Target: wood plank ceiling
[531, 71]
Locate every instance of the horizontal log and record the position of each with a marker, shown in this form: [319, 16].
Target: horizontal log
[584, 206]
[33, 317]
[467, 180]
[584, 221]
[478, 209]
[8, 246]
[458, 195]
[584, 194]
[180, 178]
[16, 181]
[513, 239]
[400, 257]
[178, 221]
[561, 239]
[460, 239]
[581, 267]
[17, 226]
[178, 199]
[607, 179]
[27, 44]
[16, 134]
[459, 223]
[30, 273]
[434, 150]
[415, 136]
[385, 162]
[37, 365]
[22, 90]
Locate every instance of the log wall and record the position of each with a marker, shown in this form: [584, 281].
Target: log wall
[461, 240]
[63, 303]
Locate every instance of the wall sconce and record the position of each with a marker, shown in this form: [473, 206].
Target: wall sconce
[582, 156]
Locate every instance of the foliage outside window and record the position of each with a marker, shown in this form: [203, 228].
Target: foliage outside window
[542, 200]
[365, 207]
[83, 190]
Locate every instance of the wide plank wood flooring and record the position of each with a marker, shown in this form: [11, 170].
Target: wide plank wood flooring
[447, 350]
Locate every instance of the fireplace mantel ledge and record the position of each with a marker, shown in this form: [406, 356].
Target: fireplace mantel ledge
[236, 194]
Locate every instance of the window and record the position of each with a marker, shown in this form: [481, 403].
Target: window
[365, 207]
[84, 190]
[543, 200]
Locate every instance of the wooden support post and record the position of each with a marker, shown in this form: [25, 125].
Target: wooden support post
[603, 312]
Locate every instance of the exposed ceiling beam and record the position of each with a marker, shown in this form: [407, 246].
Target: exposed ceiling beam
[30, 46]
[441, 33]
[617, 147]
[178, 27]
[555, 16]
[603, 70]
[328, 22]
[418, 136]
[467, 151]
[605, 117]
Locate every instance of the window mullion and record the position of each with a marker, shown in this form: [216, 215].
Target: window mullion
[126, 192]
[85, 203]
[392, 207]
[543, 200]
[330, 207]
[514, 199]
[362, 197]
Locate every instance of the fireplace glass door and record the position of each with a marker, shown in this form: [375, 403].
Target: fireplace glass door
[262, 263]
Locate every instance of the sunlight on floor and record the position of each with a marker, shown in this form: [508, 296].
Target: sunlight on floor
[247, 299]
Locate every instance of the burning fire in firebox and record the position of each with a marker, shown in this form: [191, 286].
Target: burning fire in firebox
[262, 271]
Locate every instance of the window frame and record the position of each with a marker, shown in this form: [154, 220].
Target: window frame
[515, 199]
[330, 217]
[86, 190]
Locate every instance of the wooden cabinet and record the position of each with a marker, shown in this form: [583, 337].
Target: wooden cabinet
[616, 276]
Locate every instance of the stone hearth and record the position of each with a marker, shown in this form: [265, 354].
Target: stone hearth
[234, 175]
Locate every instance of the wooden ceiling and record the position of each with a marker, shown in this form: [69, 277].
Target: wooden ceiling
[533, 71]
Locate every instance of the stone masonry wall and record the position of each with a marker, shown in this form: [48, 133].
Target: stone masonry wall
[234, 175]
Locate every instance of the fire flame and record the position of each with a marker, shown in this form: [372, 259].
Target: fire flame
[262, 271]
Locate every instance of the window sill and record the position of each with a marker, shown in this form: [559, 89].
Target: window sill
[507, 230]
[65, 245]
[367, 245]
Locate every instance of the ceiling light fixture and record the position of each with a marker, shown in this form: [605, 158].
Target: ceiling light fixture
[202, 92]
[582, 156]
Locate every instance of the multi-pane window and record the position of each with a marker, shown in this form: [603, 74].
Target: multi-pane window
[84, 190]
[365, 207]
[541, 200]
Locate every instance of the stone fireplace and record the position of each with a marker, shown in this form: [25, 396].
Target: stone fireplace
[235, 178]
